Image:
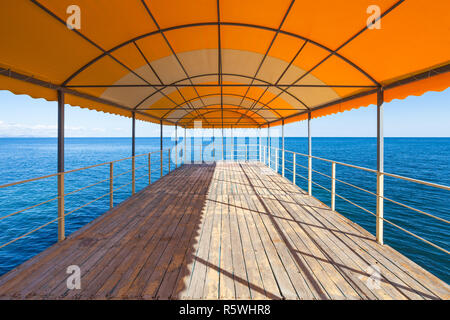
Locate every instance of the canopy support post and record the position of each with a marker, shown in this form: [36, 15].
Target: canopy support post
[176, 146]
[268, 144]
[133, 135]
[309, 155]
[61, 210]
[232, 143]
[185, 146]
[282, 147]
[161, 146]
[259, 143]
[133, 154]
[223, 145]
[214, 147]
[380, 167]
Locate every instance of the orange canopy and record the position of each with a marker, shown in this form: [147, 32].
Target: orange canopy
[240, 63]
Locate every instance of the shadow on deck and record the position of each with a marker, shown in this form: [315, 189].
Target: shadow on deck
[222, 231]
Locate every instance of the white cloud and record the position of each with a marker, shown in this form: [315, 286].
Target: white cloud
[43, 130]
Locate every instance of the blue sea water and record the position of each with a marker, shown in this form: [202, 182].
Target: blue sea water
[421, 158]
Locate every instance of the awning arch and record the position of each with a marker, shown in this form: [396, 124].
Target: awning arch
[290, 57]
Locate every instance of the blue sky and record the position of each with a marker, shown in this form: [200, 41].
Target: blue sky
[424, 116]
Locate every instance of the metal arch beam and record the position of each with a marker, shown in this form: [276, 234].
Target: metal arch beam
[215, 95]
[152, 69]
[171, 49]
[53, 15]
[48, 85]
[366, 27]
[212, 111]
[283, 73]
[191, 25]
[56, 17]
[417, 77]
[219, 56]
[217, 110]
[269, 47]
[224, 74]
[158, 77]
[390, 9]
[195, 118]
[230, 85]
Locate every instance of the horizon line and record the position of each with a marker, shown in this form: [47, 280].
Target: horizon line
[181, 137]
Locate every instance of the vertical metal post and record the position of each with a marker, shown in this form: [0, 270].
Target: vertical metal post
[333, 186]
[268, 145]
[282, 149]
[294, 169]
[309, 155]
[61, 208]
[276, 159]
[380, 167]
[168, 152]
[201, 146]
[264, 154]
[149, 168]
[214, 147]
[223, 156]
[176, 147]
[232, 143]
[260, 145]
[111, 185]
[161, 146]
[133, 154]
[185, 146]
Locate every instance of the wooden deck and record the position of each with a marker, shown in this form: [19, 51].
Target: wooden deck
[226, 230]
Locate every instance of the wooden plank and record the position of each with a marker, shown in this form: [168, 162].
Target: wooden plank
[241, 280]
[260, 273]
[348, 260]
[227, 289]
[202, 259]
[402, 281]
[46, 266]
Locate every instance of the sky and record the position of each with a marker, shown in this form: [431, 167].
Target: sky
[424, 116]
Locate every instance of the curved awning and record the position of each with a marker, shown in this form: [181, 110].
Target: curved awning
[224, 62]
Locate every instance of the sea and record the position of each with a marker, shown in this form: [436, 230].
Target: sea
[425, 159]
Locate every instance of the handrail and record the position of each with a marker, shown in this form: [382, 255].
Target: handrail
[427, 183]
[62, 195]
[62, 216]
[379, 196]
[263, 153]
[74, 170]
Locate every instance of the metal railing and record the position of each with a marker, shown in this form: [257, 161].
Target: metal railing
[62, 214]
[237, 151]
[265, 157]
[247, 152]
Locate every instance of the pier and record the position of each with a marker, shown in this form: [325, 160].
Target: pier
[220, 227]
[227, 230]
